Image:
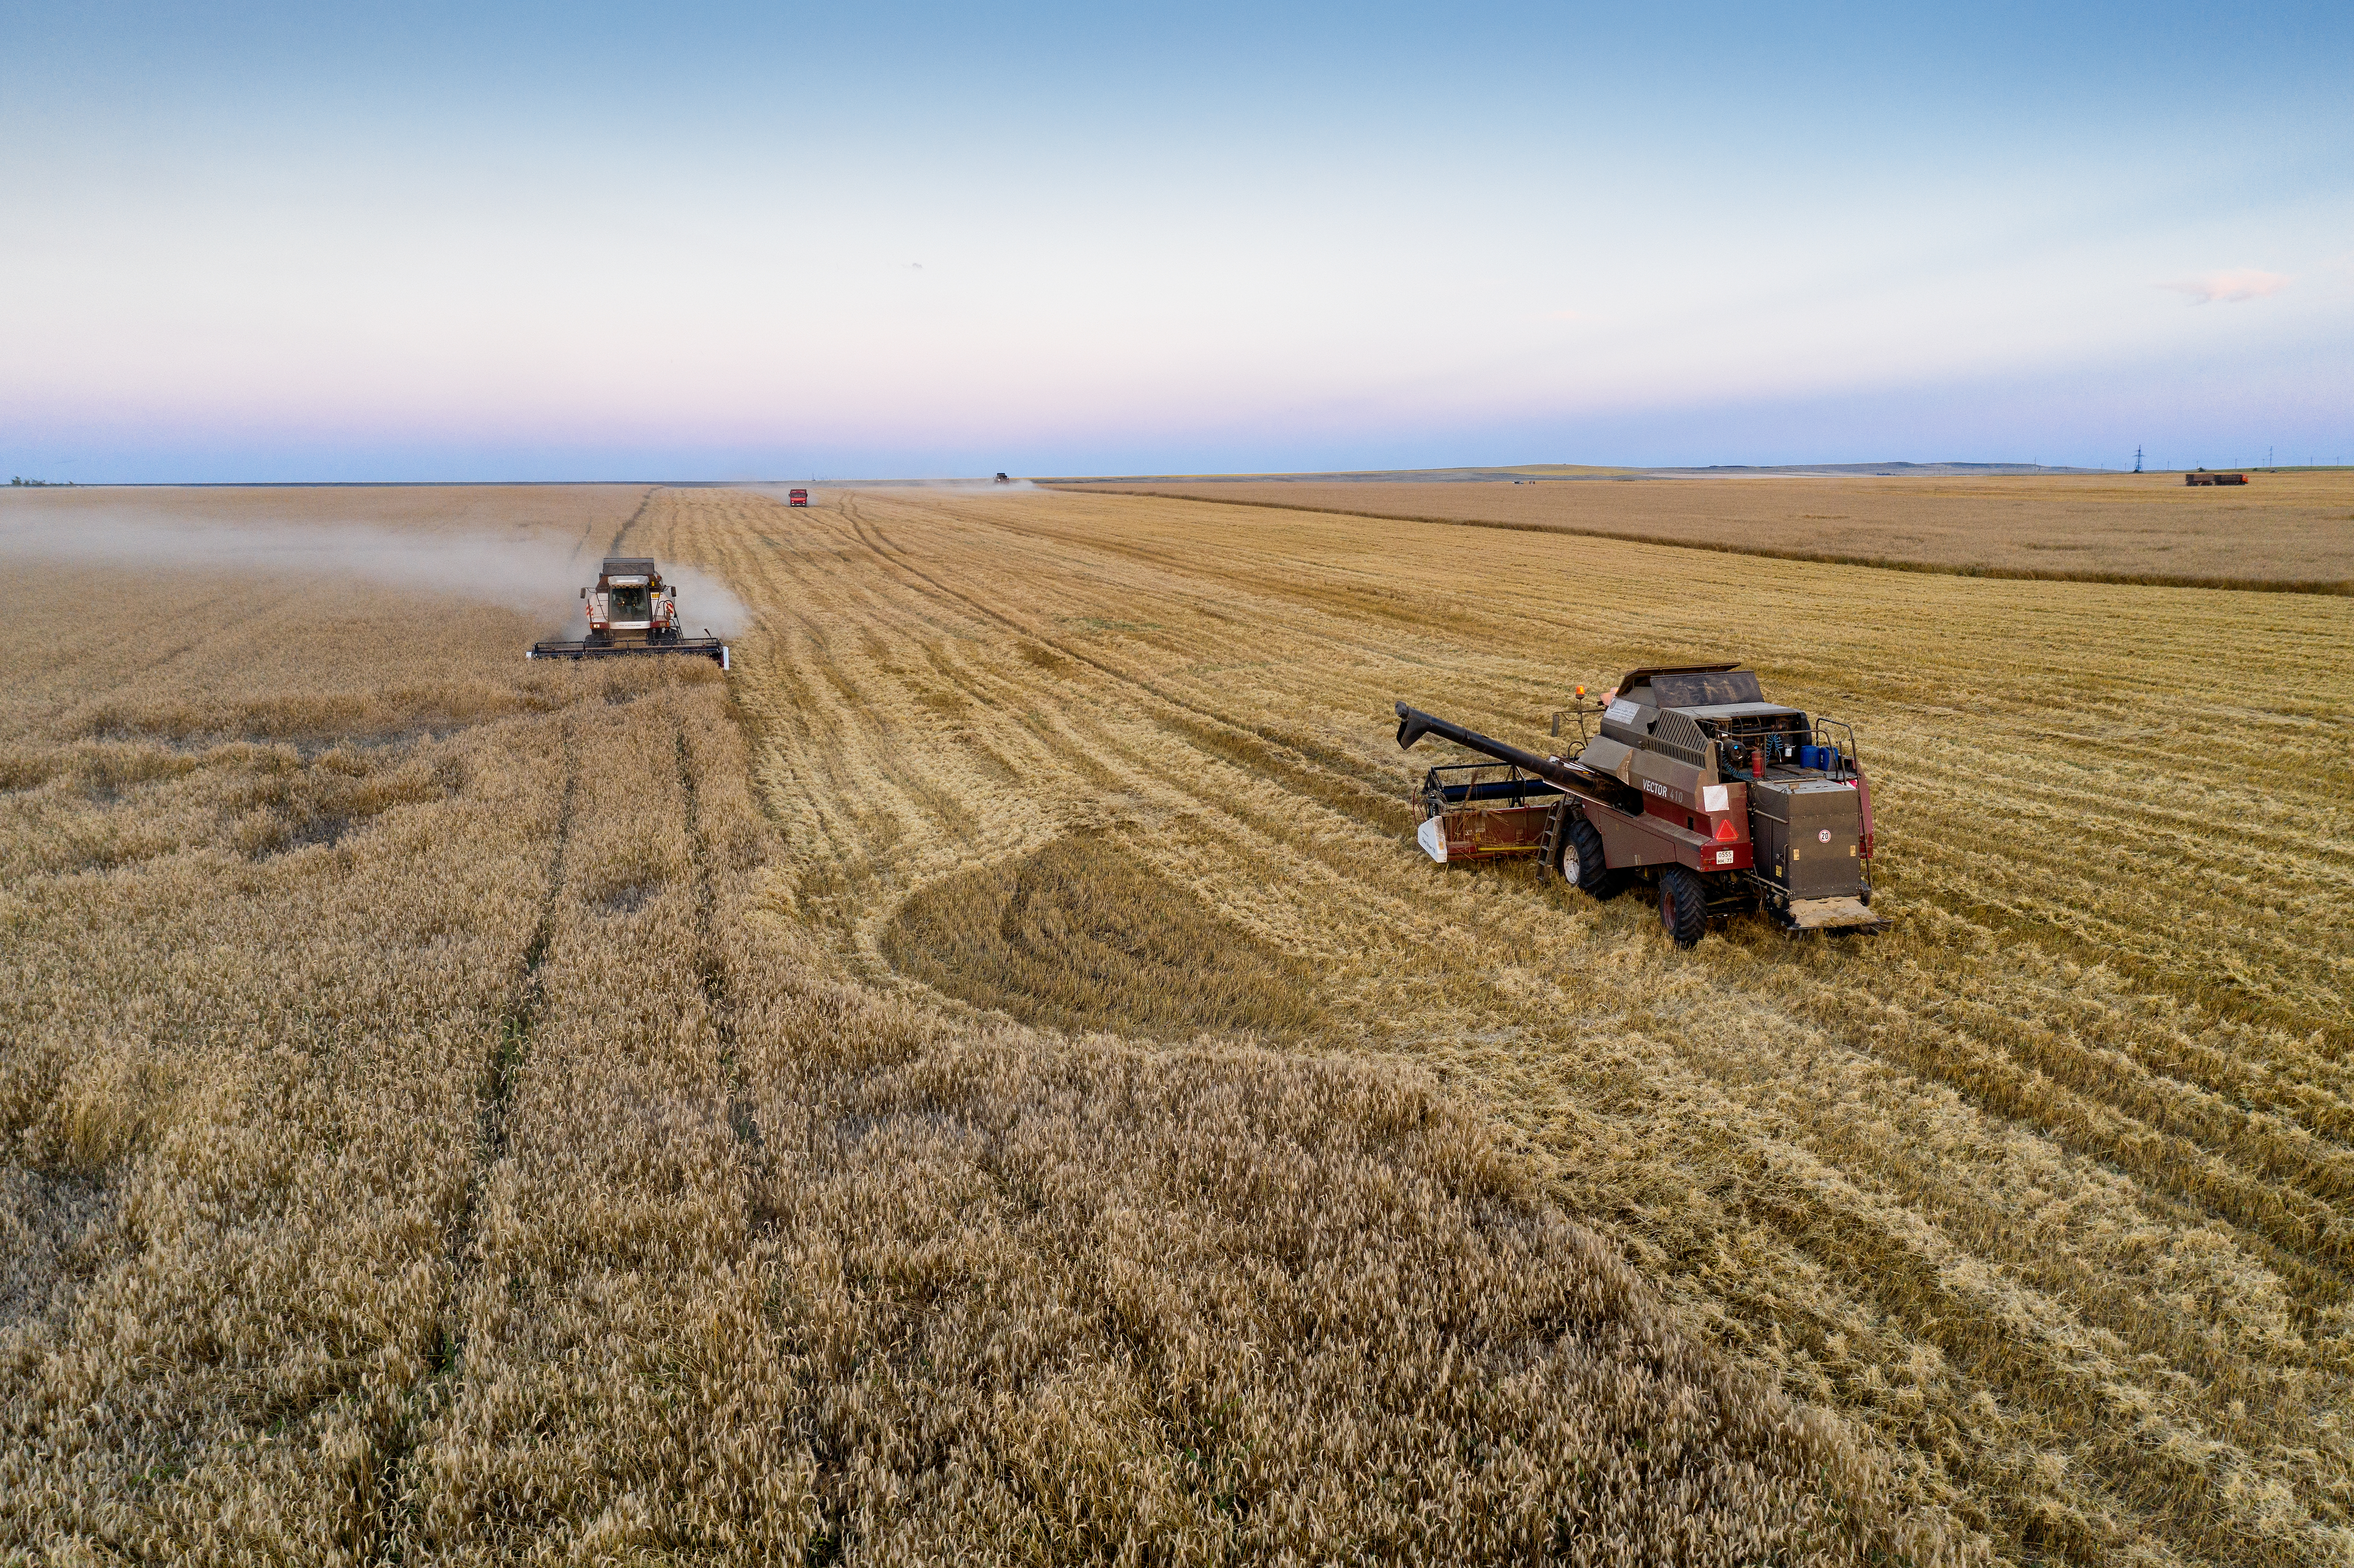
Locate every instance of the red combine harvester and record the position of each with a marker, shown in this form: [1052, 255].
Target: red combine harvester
[1696, 785]
[797, 498]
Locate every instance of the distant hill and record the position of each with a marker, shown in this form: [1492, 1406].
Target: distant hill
[1539, 472]
[1874, 469]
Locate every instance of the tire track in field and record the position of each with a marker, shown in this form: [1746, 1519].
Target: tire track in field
[710, 971]
[623, 531]
[518, 1022]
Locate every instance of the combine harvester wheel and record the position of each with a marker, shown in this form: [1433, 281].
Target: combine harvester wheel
[1683, 906]
[1584, 864]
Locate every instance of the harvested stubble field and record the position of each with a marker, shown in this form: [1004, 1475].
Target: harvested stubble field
[2293, 529]
[992, 1080]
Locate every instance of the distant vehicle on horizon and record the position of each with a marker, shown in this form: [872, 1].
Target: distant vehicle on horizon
[797, 498]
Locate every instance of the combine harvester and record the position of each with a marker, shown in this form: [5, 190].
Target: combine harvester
[1696, 785]
[631, 613]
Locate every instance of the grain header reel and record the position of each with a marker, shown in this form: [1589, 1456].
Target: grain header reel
[1690, 783]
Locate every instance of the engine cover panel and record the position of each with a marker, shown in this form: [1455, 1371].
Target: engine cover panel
[1808, 834]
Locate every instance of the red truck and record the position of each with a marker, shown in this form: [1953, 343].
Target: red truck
[797, 498]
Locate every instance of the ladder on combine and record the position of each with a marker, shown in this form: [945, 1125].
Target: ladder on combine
[1555, 836]
[1549, 842]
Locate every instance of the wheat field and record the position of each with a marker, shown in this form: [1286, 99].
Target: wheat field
[433, 1137]
[2283, 529]
[992, 1079]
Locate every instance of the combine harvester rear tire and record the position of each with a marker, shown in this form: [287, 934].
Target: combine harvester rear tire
[1683, 906]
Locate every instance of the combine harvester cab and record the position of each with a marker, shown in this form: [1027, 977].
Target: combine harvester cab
[1694, 785]
[631, 612]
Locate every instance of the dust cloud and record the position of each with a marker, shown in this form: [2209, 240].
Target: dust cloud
[704, 600]
[541, 576]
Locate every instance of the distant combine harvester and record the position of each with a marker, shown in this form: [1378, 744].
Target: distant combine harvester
[2203, 476]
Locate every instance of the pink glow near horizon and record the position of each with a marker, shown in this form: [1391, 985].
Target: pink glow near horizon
[965, 281]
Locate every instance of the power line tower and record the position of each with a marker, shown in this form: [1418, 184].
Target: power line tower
[2137, 460]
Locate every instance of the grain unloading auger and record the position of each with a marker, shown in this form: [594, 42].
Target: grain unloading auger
[631, 611]
[1696, 785]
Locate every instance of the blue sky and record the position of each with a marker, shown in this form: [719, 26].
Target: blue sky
[509, 242]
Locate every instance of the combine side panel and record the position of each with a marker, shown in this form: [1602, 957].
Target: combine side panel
[1627, 842]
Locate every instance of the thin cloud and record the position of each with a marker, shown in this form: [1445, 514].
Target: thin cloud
[2229, 288]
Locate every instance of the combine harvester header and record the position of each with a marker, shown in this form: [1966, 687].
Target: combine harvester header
[631, 611]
